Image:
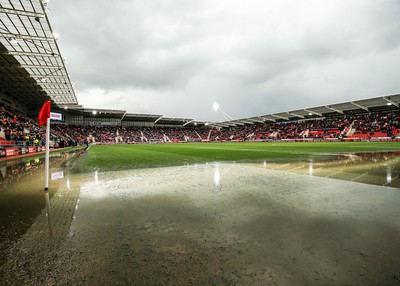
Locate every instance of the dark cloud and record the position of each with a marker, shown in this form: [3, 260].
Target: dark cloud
[178, 57]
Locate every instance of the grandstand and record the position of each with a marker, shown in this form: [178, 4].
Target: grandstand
[373, 123]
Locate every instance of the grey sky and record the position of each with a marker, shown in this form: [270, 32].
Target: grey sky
[253, 57]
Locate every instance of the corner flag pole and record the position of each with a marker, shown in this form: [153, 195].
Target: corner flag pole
[47, 155]
[44, 118]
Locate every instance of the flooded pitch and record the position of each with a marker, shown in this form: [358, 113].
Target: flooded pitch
[212, 224]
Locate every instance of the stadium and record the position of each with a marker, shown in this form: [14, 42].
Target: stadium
[307, 196]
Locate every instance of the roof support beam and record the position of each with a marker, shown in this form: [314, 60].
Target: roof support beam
[391, 101]
[188, 122]
[39, 77]
[25, 54]
[25, 37]
[52, 94]
[58, 90]
[220, 125]
[158, 119]
[232, 124]
[256, 120]
[313, 112]
[41, 67]
[294, 114]
[360, 106]
[278, 116]
[268, 119]
[246, 121]
[66, 100]
[66, 106]
[334, 109]
[21, 13]
[57, 93]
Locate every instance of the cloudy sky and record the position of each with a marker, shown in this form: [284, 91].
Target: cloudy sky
[253, 57]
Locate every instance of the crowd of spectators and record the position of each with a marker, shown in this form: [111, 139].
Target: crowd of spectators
[113, 134]
[377, 124]
[18, 127]
[344, 126]
[21, 129]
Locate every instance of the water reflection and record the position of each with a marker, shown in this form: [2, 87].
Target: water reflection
[389, 174]
[381, 168]
[12, 171]
[48, 214]
[22, 206]
[57, 175]
[217, 176]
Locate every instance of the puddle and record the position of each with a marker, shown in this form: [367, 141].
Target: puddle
[22, 192]
[202, 224]
[381, 169]
[14, 171]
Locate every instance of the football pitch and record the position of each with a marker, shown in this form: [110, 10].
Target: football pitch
[129, 156]
[207, 214]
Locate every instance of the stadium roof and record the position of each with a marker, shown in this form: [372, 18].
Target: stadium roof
[156, 119]
[365, 105]
[389, 102]
[32, 68]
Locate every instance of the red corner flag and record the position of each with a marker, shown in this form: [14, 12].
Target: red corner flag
[44, 113]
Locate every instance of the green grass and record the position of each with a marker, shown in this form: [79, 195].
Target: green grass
[122, 157]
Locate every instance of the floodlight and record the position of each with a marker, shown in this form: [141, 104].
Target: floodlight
[55, 36]
[215, 106]
[389, 103]
[94, 112]
[224, 114]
